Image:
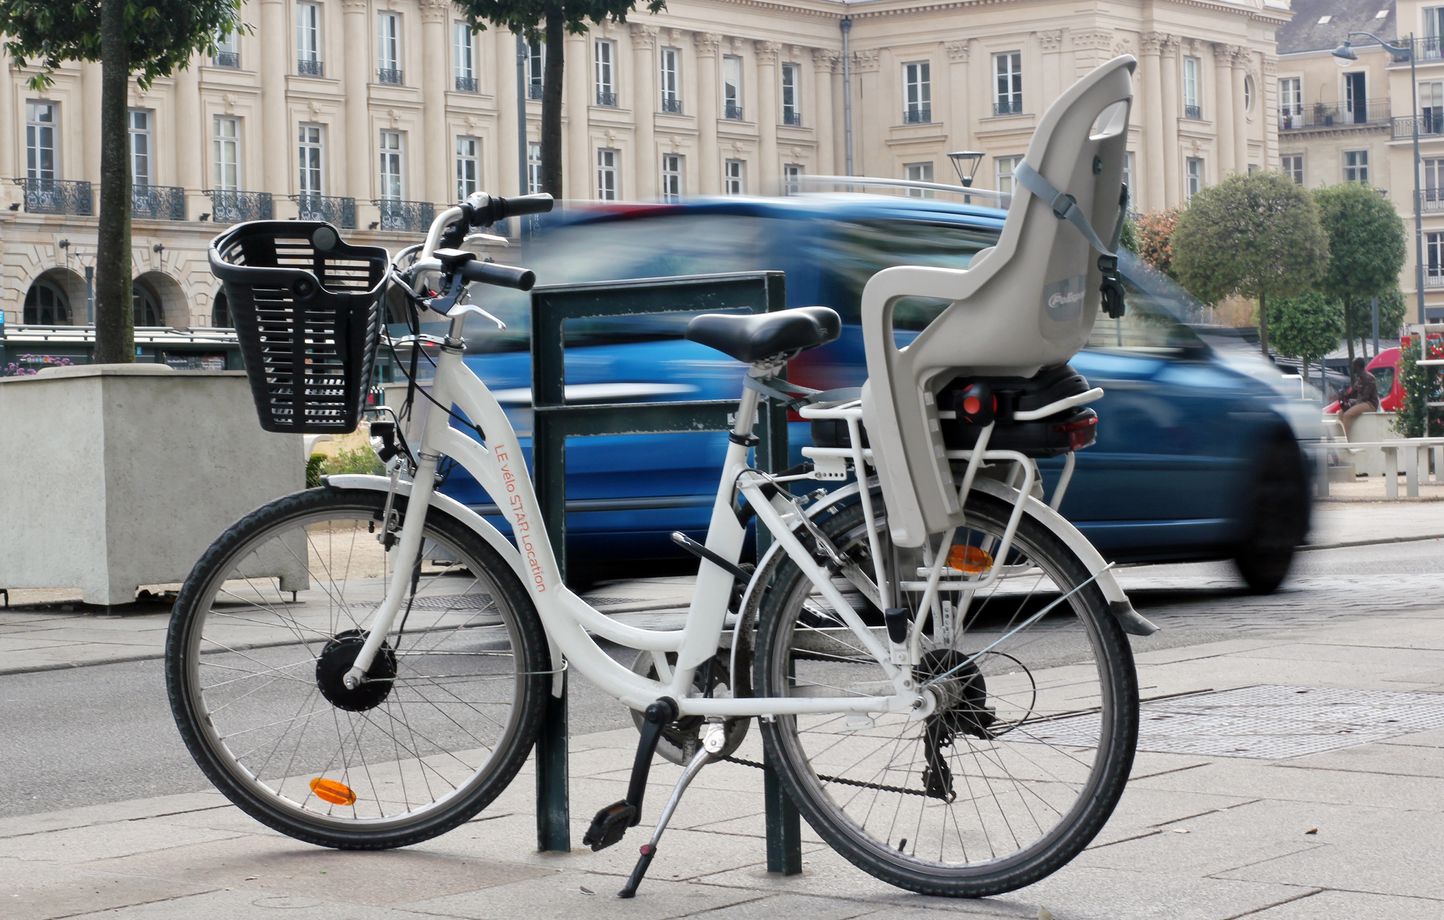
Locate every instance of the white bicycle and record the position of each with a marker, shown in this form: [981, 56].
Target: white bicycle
[364, 665]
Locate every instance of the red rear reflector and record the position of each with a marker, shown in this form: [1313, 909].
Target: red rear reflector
[1080, 432]
[972, 404]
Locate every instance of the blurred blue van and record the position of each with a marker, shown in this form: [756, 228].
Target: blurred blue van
[1193, 460]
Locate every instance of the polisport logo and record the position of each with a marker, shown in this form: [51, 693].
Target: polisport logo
[1064, 299]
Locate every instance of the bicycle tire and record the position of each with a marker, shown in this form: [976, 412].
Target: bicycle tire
[254, 680]
[825, 779]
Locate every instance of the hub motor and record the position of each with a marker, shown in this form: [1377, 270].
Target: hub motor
[337, 658]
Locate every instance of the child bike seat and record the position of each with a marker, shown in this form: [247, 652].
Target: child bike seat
[1027, 303]
[757, 337]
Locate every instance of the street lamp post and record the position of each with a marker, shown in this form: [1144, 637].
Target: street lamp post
[966, 160]
[1401, 53]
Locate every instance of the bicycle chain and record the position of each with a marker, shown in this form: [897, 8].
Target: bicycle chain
[838, 779]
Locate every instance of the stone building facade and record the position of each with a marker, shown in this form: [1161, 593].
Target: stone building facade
[371, 113]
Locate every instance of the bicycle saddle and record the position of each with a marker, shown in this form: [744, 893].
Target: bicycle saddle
[751, 338]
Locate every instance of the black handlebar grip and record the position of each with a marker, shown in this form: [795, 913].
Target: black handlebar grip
[485, 210]
[501, 275]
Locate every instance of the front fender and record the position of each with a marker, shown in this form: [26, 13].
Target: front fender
[473, 522]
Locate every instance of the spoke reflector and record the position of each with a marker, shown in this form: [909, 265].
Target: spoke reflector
[971, 559]
[333, 791]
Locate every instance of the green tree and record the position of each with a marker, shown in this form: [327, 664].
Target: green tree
[144, 39]
[1391, 317]
[1366, 252]
[550, 21]
[1256, 235]
[1306, 327]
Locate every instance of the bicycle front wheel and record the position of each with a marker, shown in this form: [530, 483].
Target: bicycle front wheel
[1030, 745]
[272, 617]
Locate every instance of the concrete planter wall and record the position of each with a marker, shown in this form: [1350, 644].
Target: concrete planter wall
[118, 476]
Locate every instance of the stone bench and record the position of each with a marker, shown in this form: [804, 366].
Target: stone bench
[1405, 455]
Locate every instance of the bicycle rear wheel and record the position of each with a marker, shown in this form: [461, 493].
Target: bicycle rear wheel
[272, 617]
[1029, 748]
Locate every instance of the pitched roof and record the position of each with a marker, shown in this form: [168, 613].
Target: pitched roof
[1322, 25]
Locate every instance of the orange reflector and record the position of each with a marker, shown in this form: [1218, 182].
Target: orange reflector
[329, 790]
[970, 559]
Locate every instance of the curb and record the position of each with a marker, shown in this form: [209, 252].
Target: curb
[1343, 544]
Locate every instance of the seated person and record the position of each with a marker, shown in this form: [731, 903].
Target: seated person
[1360, 396]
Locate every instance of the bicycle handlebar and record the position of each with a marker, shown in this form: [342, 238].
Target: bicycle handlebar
[482, 210]
[501, 275]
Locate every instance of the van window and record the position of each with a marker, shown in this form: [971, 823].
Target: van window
[646, 247]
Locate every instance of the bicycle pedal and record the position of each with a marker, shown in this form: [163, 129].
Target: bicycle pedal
[610, 824]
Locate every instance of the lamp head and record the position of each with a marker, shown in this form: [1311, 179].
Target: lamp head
[966, 163]
[1344, 53]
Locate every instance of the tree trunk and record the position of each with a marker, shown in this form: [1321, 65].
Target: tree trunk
[551, 128]
[114, 310]
[1351, 322]
[1263, 326]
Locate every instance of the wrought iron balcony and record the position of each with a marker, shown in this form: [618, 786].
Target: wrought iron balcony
[230, 59]
[1364, 113]
[793, 118]
[1194, 112]
[607, 98]
[533, 90]
[391, 75]
[732, 111]
[917, 114]
[231, 206]
[397, 214]
[57, 196]
[1431, 200]
[1429, 48]
[330, 208]
[157, 202]
[672, 105]
[1431, 124]
[466, 84]
[1008, 106]
[1433, 277]
[310, 67]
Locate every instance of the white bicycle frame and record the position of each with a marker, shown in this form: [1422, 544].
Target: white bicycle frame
[569, 621]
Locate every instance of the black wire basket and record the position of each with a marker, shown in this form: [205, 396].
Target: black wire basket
[307, 310]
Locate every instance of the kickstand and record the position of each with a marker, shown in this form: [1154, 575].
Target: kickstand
[649, 849]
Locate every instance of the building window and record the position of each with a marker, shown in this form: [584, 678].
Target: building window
[791, 178]
[919, 172]
[388, 48]
[1248, 94]
[465, 51]
[732, 87]
[1431, 107]
[145, 305]
[917, 92]
[140, 164]
[1291, 102]
[308, 39]
[670, 78]
[791, 81]
[734, 177]
[226, 143]
[1128, 178]
[1434, 258]
[228, 50]
[1192, 176]
[308, 156]
[1003, 173]
[533, 168]
[1191, 107]
[672, 177]
[392, 188]
[1008, 83]
[40, 156]
[1293, 166]
[606, 54]
[1356, 99]
[1356, 166]
[1433, 183]
[468, 166]
[607, 174]
[46, 305]
[535, 67]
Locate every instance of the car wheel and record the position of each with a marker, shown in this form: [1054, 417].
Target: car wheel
[1278, 517]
